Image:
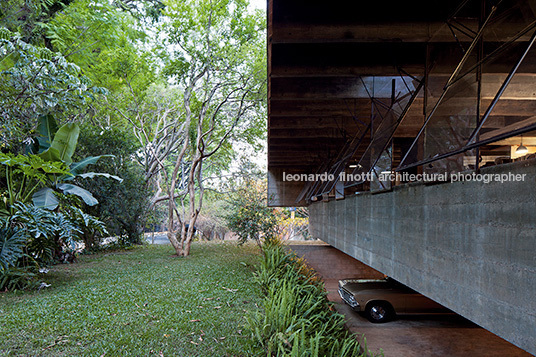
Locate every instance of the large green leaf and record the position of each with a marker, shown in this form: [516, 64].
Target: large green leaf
[85, 195]
[51, 154]
[45, 198]
[12, 160]
[77, 167]
[95, 174]
[65, 141]
[11, 247]
[46, 128]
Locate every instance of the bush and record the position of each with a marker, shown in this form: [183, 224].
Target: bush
[18, 270]
[11, 247]
[247, 213]
[45, 232]
[23, 275]
[34, 237]
[297, 319]
[123, 206]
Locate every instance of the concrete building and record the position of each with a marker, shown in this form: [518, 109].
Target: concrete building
[408, 128]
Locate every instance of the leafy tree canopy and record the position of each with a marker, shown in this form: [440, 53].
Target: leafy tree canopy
[35, 81]
[104, 41]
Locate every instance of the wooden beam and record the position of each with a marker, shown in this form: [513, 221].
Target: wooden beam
[305, 12]
[368, 32]
[316, 108]
[342, 59]
[337, 87]
[516, 141]
[519, 125]
[521, 87]
[313, 133]
[318, 123]
[385, 32]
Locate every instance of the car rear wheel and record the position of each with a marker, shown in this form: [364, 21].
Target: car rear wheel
[379, 311]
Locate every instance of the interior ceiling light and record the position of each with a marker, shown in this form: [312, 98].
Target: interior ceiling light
[522, 149]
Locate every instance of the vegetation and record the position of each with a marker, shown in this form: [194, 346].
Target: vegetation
[168, 87]
[247, 213]
[158, 97]
[32, 238]
[124, 206]
[37, 234]
[296, 318]
[35, 81]
[218, 58]
[248, 216]
[139, 302]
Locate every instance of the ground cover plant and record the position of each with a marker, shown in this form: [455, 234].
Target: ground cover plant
[296, 318]
[139, 302]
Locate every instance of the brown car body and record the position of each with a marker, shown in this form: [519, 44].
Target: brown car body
[381, 300]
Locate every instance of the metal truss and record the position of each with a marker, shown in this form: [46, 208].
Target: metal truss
[473, 142]
[380, 130]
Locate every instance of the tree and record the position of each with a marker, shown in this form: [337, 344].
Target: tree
[28, 16]
[34, 82]
[104, 42]
[39, 77]
[218, 61]
[159, 128]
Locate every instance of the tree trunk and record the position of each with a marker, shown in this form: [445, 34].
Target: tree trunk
[179, 246]
[173, 240]
[187, 237]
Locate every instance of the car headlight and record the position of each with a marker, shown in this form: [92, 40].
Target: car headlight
[348, 298]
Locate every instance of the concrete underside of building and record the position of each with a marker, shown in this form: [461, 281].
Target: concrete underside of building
[470, 246]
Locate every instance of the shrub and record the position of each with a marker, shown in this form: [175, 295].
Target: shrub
[18, 270]
[247, 213]
[296, 318]
[11, 247]
[89, 228]
[45, 232]
[124, 206]
[23, 275]
[34, 237]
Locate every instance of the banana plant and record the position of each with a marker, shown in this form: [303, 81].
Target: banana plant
[24, 174]
[59, 146]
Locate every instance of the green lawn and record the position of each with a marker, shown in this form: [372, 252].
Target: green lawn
[140, 302]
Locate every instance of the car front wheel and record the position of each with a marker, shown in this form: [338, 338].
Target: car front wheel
[379, 312]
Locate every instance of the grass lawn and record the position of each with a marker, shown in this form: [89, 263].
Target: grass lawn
[140, 302]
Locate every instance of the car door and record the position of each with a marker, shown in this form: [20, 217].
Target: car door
[418, 303]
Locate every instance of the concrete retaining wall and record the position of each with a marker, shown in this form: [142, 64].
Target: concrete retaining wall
[468, 245]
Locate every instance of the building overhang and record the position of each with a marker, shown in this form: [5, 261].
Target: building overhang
[385, 86]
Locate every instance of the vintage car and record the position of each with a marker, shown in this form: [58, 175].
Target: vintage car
[381, 300]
